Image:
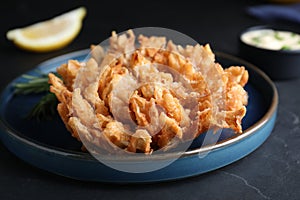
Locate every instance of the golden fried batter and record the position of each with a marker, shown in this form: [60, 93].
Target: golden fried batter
[148, 98]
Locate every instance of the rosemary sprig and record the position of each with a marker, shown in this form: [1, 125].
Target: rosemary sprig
[36, 84]
[32, 85]
[45, 109]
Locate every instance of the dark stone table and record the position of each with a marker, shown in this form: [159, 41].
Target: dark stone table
[270, 172]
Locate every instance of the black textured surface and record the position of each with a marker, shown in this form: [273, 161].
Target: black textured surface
[270, 172]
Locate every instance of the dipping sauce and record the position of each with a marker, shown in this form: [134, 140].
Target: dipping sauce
[272, 39]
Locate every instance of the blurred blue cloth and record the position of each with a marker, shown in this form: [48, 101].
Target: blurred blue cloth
[273, 12]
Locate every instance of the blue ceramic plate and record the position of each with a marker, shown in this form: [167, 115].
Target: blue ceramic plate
[49, 146]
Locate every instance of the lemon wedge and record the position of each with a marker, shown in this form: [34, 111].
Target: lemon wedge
[51, 34]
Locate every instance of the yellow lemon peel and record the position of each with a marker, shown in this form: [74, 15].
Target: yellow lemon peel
[51, 34]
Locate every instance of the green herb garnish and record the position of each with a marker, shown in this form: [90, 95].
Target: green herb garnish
[46, 107]
[277, 36]
[32, 84]
[285, 47]
[256, 40]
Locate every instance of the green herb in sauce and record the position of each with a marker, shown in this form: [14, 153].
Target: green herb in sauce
[272, 39]
[256, 39]
[285, 48]
[277, 36]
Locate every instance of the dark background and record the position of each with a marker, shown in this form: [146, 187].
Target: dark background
[270, 172]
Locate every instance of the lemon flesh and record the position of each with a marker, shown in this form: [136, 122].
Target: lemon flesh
[51, 34]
